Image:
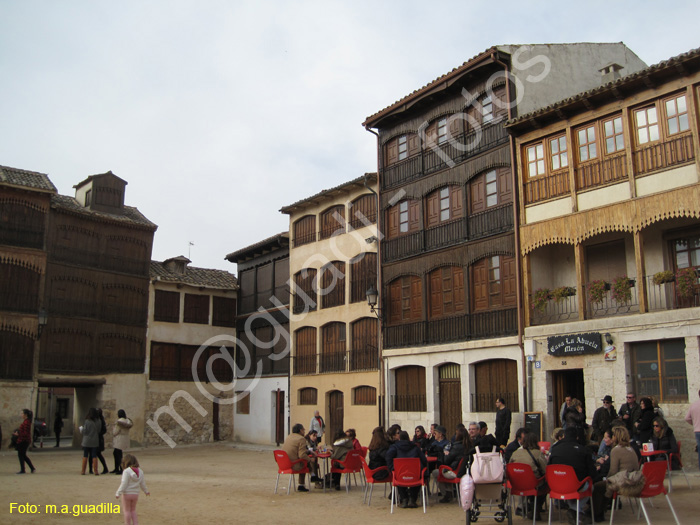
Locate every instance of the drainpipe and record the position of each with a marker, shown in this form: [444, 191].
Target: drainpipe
[516, 229]
[383, 413]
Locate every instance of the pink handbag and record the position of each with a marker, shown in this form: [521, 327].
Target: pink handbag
[487, 467]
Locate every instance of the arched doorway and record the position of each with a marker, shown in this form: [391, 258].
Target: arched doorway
[335, 413]
[450, 396]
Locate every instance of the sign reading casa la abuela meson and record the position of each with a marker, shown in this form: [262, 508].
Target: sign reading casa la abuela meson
[574, 344]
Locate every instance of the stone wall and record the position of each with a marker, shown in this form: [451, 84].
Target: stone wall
[14, 396]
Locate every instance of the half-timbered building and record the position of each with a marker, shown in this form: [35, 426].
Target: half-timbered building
[449, 264]
[334, 335]
[609, 189]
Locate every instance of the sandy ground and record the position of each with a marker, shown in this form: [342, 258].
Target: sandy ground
[220, 483]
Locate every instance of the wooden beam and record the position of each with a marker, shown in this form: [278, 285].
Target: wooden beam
[641, 271]
[580, 261]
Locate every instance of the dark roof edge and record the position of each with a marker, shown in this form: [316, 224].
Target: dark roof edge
[309, 201]
[277, 240]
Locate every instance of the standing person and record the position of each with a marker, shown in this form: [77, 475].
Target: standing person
[603, 418]
[57, 427]
[296, 448]
[630, 412]
[693, 418]
[133, 479]
[102, 425]
[503, 418]
[644, 425]
[575, 418]
[91, 440]
[318, 425]
[121, 441]
[562, 411]
[24, 438]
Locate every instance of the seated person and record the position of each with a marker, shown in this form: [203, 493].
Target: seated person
[485, 442]
[312, 447]
[342, 444]
[457, 454]
[355, 442]
[664, 440]
[421, 438]
[530, 454]
[378, 447]
[403, 448]
[515, 444]
[602, 460]
[295, 447]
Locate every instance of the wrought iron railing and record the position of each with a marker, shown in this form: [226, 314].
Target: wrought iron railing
[487, 402]
[408, 403]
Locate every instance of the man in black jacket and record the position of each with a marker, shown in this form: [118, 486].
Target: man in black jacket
[404, 448]
[503, 418]
[569, 452]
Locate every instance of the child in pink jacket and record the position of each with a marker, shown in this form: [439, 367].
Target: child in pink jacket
[132, 480]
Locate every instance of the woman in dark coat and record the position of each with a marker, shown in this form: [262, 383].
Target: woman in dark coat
[457, 454]
[643, 425]
[24, 438]
[421, 438]
[575, 418]
[663, 439]
[102, 430]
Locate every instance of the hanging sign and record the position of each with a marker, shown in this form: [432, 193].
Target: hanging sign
[575, 344]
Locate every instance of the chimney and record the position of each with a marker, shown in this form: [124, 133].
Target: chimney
[610, 73]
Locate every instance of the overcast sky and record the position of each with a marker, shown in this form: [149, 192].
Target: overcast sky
[218, 113]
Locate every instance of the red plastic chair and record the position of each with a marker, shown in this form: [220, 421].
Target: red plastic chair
[676, 455]
[369, 477]
[408, 473]
[522, 482]
[350, 465]
[654, 473]
[544, 446]
[286, 466]
[364, 452]
[454, 481]
[564, 485]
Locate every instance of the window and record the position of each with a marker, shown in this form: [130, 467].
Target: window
[442, 131]
[494, 283]
[658, 368]
[490, 189]
[173, 362]
[305, 230]
[401, 148]
[305, 291]
[16, 355]
[405, 299]
[364, 395]
[363, 274]
[88, 198]
[305, 350]
[363, 212]
[558, 153]
[444, 204]
[364, 344]
[446, 291]
[687, 252]
[333, 222]
[264, 285]
[242, 402]
[333, 347]
[486, 109]
[647, 125]
[495, 378]
[403, 218]
[196, 309]
[587, 149]
[535, 160]
[333, 285]
[676, 115]
[223, 311]
[308, 396]
[409, 383]
[614, 137]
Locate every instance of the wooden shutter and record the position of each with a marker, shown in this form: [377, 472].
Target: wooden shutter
[432, 205]
[480, 281]
[508, 282]
[477, 190]
[395, 301]
[392, 152]
[392, 219]
[505, 191]
[431, 135]
[458, 288]
[413, 215]
[455, 126]
[413, 144]
[456, 202]
[416, 299]
[435, 307]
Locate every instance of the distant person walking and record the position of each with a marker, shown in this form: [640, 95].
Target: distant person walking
[57, 428]
[91, 440]
[503, 419]
[693, 417]
[24, 438]
[121, 441]
[133, 480]
[102, 430]
[318, 425]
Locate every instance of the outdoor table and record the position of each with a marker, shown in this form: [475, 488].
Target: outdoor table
[325, 456]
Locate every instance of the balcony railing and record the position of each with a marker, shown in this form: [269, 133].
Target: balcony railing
[547, 187]
[487, 402]
[20, 302]
[365, 358]
[25, 237]
[481, 325]
[666, 297]
[491, 222]
[304, 364]
[445, 234]
[403, 246]
[62, 362]
[664, 155]
[333, 362]
[73, 307]
[441, 156]
[556, 311]
[601, 172]
[408, 403]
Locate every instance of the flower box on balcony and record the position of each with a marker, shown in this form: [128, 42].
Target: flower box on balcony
[622, 289]
[597, 290]
[540, 299]
[664, 277]
[562, 292]
[686, 282]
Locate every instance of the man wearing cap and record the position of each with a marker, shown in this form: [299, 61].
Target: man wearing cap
[602, 418]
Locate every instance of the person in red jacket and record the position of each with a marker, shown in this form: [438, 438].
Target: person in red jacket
[24, 438]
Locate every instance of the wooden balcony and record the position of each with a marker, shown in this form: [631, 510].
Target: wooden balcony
[664, 155]
[491, 222]
[20, 302]
[547, 187]
[404, 246]
[24, 237]
[602, 172]
[561, 311]
[445, 234]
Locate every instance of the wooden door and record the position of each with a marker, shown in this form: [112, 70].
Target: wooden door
[335, 413]
[450, 397]
[279, 416]
[566, 383]
[495, 378]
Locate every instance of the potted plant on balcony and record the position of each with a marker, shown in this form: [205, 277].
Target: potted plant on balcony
[622, 289]
[560, 293]
[540, 299]
[666, 276]
[597, 291]
[686, 281]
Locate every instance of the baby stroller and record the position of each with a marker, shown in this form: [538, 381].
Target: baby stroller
[482, 490]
